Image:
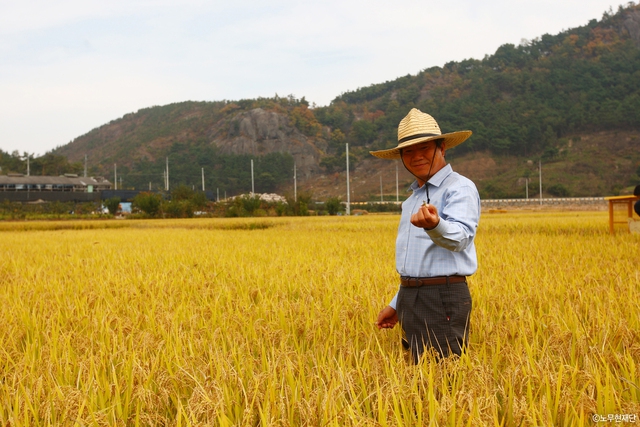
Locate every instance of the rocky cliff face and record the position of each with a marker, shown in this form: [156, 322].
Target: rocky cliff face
[258, 132]
[632, 25]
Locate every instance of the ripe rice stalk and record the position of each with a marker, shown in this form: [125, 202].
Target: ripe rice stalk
[245, 322]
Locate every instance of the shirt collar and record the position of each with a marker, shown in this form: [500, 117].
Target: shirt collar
[436, 179]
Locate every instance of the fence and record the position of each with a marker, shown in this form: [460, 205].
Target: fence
[598, 203]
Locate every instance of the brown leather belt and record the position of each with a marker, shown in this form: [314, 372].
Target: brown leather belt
[412, 282]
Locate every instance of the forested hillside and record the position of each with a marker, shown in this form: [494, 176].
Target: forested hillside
[547, 99]
[520, 100]
[139, 144]
[536, 101]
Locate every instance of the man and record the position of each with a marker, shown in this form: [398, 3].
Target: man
[434, 249]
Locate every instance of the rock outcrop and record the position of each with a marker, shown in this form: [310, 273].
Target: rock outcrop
[632, 25]
[258, 132]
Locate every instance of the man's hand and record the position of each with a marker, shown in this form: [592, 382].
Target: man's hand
[387, 318]
[426, 217]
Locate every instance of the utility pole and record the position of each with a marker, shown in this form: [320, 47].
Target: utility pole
[381, 199]
[115, 175]
[167, 176]
[295, 183]
[217, 194]
[348, 189]
[85, 165]
[540, 169]
[28, 166]
[252, 187]
[203, 180]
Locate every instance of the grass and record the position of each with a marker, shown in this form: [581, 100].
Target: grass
[270, 322]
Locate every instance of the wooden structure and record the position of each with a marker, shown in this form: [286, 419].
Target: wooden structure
[620, 202]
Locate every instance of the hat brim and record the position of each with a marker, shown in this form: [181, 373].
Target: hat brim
[450, 139]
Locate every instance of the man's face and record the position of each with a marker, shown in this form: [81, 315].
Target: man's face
[417, 159]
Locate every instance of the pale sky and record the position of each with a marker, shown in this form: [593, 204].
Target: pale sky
[68, 66]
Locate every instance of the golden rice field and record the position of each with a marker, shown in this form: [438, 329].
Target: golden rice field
[270, 322]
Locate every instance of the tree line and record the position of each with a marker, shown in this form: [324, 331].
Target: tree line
[48, 164]
[522, 100]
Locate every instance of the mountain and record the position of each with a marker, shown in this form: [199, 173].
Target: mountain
[220, 137]
[570, 102]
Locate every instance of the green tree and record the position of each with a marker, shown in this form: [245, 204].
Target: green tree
[333, 205]
[178, 209]
[337, 137]
[148, 203]
[300, 207]
[250, 204]
[338, 162]
[199, 200]
[182, 192]
[558, 190]
[267, 182]
[363, 132]
[112, 204]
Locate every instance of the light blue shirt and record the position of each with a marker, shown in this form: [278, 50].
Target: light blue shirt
[447, 249]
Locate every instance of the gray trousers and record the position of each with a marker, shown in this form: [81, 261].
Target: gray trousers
[435, 317]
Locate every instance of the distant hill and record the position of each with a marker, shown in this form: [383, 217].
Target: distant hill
[571, 101]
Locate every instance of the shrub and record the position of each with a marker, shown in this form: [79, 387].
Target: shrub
[333, 205]
[148, 203]
[112, 205]
[558, 190]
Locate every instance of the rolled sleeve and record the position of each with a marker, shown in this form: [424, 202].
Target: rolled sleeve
[458, 220]
[394, 301]
[448, 249]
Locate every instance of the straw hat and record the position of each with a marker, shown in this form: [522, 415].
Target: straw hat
[417, 127]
